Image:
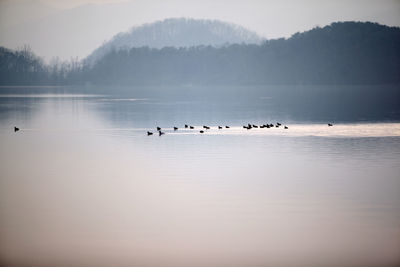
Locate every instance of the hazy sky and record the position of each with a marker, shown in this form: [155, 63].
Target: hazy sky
[76, 27]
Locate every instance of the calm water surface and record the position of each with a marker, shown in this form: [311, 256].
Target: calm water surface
[81, 184]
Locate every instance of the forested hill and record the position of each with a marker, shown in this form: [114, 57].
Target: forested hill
[341, 53]
[178, 32]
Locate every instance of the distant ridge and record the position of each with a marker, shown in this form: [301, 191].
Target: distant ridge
[340, 53]
[178, 32]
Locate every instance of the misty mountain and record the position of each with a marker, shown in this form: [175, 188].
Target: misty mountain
[178, 32]
[341, 53]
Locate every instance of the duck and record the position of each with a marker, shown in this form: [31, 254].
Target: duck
[286, 127]
[227, 127]
[149, 133]
[255, 126]
[330, 124]
[160, 133]
[158, 128]
[201, 131]
[16, 129]
[219, 127]
[191, 127]
[175, 128]
[278, 124]
[186, 126]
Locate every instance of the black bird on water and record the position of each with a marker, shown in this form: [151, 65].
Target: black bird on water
[149, 133]
[227, 127]
[160, 133]
[158, 129]
[206, 127]
[255, 126]
[191, 127]
[16, 129]
[219, 127]
[186, 126]
[330, 124]
[278, 124]
[201, 131]
[286, 127]
[175, 128]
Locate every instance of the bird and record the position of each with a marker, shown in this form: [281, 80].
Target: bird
[16, 129]
[149, 133]
[160, 133]
[286, 127]
[255, 126]
[158, 129]
[175, 128]
[278, 124]
[227, 127]
[201, 131]
[262, 126]
[191, 127]
[330, 124]
[208, 128]
[219, 127]
[186, 126]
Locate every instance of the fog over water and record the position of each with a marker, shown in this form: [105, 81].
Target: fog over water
[81, 184]
[186, 133]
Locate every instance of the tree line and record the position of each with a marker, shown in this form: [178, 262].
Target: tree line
[340, 53]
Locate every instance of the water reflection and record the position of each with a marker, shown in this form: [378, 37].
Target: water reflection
[82, 185]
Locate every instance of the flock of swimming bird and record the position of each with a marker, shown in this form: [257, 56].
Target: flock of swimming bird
[205, 127]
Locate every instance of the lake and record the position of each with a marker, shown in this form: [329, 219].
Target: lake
[81, 183]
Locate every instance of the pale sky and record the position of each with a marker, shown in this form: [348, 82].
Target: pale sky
[74, 28]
